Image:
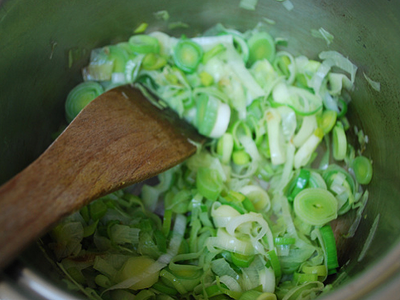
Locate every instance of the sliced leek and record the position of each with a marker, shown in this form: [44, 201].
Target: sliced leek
[187, 55]
[315, 206]
[80, 96]
[339, 142]
[362, 168]
[144, 44]
[247, 216]
[261, 46]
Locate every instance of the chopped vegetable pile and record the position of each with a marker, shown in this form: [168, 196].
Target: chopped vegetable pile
[248, 216]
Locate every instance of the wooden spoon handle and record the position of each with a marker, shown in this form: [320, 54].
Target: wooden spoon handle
[114, 142]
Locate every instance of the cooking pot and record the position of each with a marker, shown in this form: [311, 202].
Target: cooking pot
[44, 44]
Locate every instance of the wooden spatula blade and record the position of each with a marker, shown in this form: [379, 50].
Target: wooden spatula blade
[119, 139]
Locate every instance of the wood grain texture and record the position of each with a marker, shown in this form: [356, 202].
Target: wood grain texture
[119, 139]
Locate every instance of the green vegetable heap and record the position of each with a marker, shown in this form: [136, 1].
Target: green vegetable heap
[247, 217]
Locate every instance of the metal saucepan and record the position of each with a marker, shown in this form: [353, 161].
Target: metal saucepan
[44, 44]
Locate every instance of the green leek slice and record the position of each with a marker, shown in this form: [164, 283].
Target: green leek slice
[331, 172]
[80, 96]
[213, 52]
[329, 245]
[153, 61]
[207, 111]
[275, 264]
[187, 55]
[242, 261]
[238, 128]
[138, 266]
[301, 278]
[225, 148]
[164, 289]
[320, 270]
[362, 168]
[284, 240]
[240, 157]
[141, 28]
[128, 48]
[241, 47]
[339, 142]
[206, 79]
[167, 221]
[343, 108]
[315, 206]
[298, 184]
[118, 56]
[328, 120]
[282, 64]
[144, 44]
[209, 183]
[261, 46]
[258, 196]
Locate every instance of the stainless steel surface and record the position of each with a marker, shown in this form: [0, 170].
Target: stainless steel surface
[25, 283]
[44, 44]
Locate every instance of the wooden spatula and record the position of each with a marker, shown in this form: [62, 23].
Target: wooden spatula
[119, 139]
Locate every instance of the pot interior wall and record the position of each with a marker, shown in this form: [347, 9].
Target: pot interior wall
[44, 44]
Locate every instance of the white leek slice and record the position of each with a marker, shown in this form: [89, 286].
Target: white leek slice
[330, 103]
[308, 126]
[222, 214]
[281, 93]
[167, 43]
[121, 234]
[374, 84]
[321, 33]
[316, 81]
[288, 122]
[221, 267]
[258, 196]
[222, 122]
[162, 261]
[118, 77]
[304, 153]
[287, 168]
[334, 58]
[225, 148]
[267, 280]
[276, 146]
[316, 180]
[244, 48]
[291, 66]
[302, 101]
[265, 75]
[250, 147]
[230, 283]
[247, 80]
[251, 217]
[209, 42]
[287, 216]
[216, 68]
[337, 82]
[225, 241]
